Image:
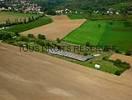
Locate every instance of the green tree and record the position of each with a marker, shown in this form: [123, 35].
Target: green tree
[40, 36]
[58, 40]
[87, 44]
[31, 36]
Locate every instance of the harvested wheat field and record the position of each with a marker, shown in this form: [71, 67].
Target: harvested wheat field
[13, 16]
[34, 76]
[60, 27]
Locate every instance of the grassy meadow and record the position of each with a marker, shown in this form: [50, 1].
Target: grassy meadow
[103, 32]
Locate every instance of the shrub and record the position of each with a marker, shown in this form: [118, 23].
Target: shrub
[40, 42]
[17, 34]
[121, 64]
[106, 48]
[5, 36]
[105, 58]
[129, 53]
[58, 40]
[24, 38]
[31, 36]
[118, 73]
[43, 37]
[117, 62]
[117, 50]
[87, 44]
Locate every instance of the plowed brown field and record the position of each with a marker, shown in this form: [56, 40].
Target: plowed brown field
[60, 27]
[34, 76]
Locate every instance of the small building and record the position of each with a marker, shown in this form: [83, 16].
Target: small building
[117, 13]
[59, 11]
[70, 55]
[97, 66]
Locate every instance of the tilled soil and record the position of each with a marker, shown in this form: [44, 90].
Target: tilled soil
[35, 76]
[59, 28]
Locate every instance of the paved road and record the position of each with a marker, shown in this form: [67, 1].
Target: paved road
[34, 76]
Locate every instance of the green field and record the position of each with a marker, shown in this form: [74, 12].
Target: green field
[122, 5]
[76, 16]
[103, 32]
[23, 27]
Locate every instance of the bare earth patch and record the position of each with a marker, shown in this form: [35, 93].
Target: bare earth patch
[35, 76]
[124, 58]
[60, 27]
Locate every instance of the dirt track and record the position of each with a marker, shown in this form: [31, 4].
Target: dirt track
[60, 27]
[34, 76]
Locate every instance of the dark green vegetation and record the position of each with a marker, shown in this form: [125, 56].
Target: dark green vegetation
[76, 16]
[39, 44]
[26, 26]
[78, 4]
[122, 5]
[87, 5]
[104, 33]
[99, 17]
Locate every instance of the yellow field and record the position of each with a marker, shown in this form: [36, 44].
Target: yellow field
[12, 16]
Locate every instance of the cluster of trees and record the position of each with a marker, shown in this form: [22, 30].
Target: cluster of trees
[5, 36]
[8, 36]
[49, 5]
[40, 36]
[122, 65]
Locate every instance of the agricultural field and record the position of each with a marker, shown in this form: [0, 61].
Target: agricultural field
[13, 16]
[59, 28]
[27, 26]
[76, 16]
[103, 32]
[122, 5]
[65, 50]
[35, 76]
